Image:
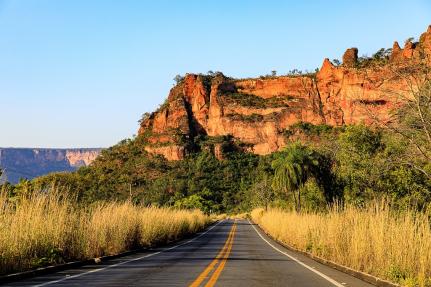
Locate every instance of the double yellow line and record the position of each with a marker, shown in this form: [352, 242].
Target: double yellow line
[221, 257]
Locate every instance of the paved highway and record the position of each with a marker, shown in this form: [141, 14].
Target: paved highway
[231, 253]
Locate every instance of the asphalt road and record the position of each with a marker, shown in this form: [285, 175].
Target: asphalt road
[231, 253]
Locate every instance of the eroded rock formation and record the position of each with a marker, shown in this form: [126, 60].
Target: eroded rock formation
[350, 57]
[258, 111]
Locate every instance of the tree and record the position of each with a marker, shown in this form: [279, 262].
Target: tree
[409, 40]
[178, 79]
[273, 73]
[411, 120]
[336, 62]
[362, 164]
[415, 127]
[262, 192]
[194, 201]
[292, 169]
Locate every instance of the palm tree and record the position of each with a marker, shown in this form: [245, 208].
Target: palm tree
[293, 167]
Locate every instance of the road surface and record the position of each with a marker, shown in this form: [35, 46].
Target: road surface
[230, 253]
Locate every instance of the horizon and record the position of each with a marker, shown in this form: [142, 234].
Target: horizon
[80, 75]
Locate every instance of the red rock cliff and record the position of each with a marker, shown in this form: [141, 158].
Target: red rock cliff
[257, 111]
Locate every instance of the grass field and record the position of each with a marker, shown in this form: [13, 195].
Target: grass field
[375, 240]
[44, 229]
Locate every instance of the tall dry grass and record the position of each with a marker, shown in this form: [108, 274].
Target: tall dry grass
[375, 240]
[42, 229]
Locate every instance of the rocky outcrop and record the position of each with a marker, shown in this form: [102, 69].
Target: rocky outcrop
[396, 54]
[29, 163]
[350, 57]
[258, 111]
[171, 151]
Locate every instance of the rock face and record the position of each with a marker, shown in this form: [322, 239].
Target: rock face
[29, 163]
[350, 57]
[258, 111]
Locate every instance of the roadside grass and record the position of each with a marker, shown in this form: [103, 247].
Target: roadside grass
[376, 240]
[47, 228]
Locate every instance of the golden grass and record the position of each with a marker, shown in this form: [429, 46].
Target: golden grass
[44, 229]
[375, 240]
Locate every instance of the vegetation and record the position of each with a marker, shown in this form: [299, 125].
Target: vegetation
[178, 79]
[249, 100]
[322, 193]
[324, 180]
[380, 58]
[356, 164]
[126, 171]
[414, 126]
[246, 118]
[38, 229]
[375, 239]
[299, 73]
[309, 129]
[292, 169]
[357, 195]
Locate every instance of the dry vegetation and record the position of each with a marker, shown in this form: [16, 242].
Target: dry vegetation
[42, 229]
[375, 240]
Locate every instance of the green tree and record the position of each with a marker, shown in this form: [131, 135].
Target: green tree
[194, 201]
[294, 165]
[361, 165]
[178, 79]
[336, 62]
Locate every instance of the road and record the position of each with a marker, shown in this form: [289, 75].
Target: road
[230, 253]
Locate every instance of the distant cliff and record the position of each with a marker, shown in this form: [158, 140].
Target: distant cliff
[258, 111]
[29, 163]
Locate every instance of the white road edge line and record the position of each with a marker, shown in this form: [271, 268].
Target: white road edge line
[297, 261]
[127, 261]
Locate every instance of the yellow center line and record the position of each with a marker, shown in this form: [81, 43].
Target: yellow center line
[211, 266]
[220, 268]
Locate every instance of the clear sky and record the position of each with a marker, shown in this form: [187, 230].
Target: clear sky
[80, 73]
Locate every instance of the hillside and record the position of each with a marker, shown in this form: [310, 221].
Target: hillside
[257, 112]
[360, 130]
[29, 163]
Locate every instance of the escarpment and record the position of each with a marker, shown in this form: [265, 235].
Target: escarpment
[29, 163]
[257, 112]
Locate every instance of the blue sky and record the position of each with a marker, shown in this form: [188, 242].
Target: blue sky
[81, 73]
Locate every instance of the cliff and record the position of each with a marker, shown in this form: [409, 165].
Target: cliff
[258, 111]
[29, 163]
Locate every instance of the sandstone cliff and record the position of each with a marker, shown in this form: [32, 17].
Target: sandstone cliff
[258, 111]
[29, 163]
